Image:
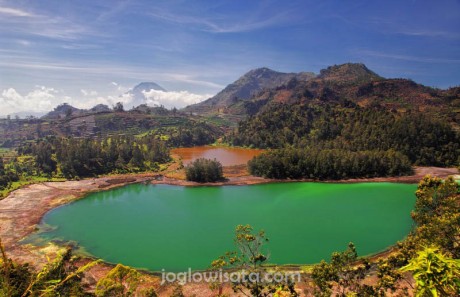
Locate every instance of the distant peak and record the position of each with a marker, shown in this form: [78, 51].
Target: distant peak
[348, 72]
[147, 86]
[64, 107]
[261, 71]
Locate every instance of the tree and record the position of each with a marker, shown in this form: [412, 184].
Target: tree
[68, 112]
[2, 167]
[119, 107]
[177, 292]
[44, 158]
[59, 277]
[204, 170]
[422, 139]
[342, 274]
[120, 281]
[138, 159]
[248, 260]
[435, 274]
[437, 214]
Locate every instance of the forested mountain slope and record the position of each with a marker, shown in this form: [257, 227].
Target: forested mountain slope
[348, 85]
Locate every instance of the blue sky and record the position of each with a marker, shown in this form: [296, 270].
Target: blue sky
[87, 52]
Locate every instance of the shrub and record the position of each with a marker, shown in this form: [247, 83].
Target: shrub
[204, 170]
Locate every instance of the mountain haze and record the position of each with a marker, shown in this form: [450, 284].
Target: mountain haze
[138, 91]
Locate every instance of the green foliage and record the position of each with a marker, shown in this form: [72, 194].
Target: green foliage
[120, 281]
[437, 214]
[435, 274]
[43, 156]
[342, 273]
[7, 177]
[204, 170]
[423, 140]
[188, 133]
[57, 278]
[118, 107]
[149, 292]
[87, 157]
[328, 164]
[248, 260]
[177, 292]
[14, 277]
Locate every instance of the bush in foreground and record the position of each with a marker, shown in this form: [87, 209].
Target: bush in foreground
[204, 170]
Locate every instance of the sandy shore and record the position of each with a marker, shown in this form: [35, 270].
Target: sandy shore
[22, 210]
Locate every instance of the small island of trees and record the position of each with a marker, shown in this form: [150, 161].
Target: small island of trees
[204, 170]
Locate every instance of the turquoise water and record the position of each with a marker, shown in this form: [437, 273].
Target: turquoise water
[173, 228]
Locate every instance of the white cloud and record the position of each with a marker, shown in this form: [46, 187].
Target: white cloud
[173, 99]
[258, 20]
[44, 99]
[413, 58]
[41, 99]
[92, 98]
[19, 21]
[14, 12]
[124, 98]
[88, 93]
[23, 42]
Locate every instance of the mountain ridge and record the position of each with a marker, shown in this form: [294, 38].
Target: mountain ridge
[247, 86]
[351, 82]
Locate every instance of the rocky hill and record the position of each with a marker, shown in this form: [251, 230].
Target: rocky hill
[246, 87]
[340, 84]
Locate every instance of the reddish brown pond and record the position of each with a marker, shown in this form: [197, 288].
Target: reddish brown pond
[228, 156]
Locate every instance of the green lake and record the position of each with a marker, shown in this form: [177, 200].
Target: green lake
[173, 228]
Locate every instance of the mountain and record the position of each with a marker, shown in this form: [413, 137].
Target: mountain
[245, 87]
[138, 93]
[346, 84]
[348, 73]
[62, 111]
[100, 108]
[66, 110]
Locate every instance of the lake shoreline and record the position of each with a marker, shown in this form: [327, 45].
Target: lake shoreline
[23, 209]
[419, 173]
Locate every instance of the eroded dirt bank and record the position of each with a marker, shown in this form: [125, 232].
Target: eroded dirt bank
[23, 209]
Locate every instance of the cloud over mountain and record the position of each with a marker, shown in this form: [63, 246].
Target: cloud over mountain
[173, 99]
[43, 99]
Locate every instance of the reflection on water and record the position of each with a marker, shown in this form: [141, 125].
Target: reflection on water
[228, 156]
